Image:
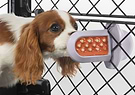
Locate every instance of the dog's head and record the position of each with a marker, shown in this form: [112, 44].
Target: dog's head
[46, 36]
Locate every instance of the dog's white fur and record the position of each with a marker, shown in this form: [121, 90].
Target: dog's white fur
[61, 41]
[15, 23]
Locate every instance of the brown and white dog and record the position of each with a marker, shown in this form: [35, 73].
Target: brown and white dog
[26, 42]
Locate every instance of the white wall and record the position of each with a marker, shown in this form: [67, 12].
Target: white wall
[3, 9]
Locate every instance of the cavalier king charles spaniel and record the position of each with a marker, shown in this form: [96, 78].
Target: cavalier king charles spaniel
[26, 42]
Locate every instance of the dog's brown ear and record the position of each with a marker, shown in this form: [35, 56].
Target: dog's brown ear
[28, 57]
[68, 66]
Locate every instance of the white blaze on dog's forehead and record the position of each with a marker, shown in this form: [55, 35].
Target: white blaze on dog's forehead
[66, 18]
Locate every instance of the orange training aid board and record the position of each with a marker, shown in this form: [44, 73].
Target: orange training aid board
[92, 46]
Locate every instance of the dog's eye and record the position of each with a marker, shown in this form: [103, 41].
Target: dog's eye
[55, 28]
[76, 26]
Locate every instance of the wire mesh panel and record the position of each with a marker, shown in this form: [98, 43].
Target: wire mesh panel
[3, 6]
[94, 78]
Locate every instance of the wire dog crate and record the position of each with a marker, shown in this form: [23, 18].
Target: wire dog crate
[93, 78]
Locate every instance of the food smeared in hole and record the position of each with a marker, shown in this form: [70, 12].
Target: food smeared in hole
[82, 49]
[97, 48]
[86, 44]
[97, 39]
[94, 44]
[90, 40]
[104, 39]
[104, 48]
[90, 49]
[101, 44]
[79, 45]
[91, 46]
[82, 40]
